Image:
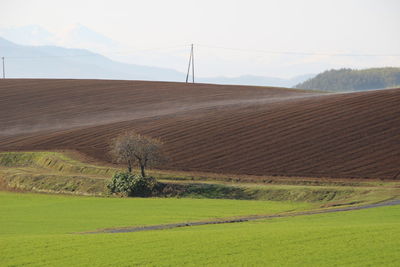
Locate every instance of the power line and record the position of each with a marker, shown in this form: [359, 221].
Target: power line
[148, 49]
[95, 54]
[300, 53]
[191, 57]
[212, 47]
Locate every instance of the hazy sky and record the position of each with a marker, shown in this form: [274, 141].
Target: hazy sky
[310, 26]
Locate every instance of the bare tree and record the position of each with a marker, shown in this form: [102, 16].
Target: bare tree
[132, 148]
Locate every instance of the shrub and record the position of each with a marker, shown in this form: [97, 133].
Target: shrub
[128, 184]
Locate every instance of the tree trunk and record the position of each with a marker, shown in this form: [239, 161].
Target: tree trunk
[129, 166]
[142, 169]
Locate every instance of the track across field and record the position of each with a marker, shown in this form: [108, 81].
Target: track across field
[242, 219]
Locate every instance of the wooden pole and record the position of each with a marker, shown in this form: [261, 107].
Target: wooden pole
[188, 70]
[192, 64]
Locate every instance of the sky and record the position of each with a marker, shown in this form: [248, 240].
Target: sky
[231, 38]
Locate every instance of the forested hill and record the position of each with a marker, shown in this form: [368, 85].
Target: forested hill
[353, 80]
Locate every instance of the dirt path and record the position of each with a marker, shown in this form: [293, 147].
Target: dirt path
[241, 219]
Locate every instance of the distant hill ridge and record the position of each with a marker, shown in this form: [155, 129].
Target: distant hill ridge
[353, 80]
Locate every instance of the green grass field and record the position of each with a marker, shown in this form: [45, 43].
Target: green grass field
[57, 214]
[45, 229]
[38, 230]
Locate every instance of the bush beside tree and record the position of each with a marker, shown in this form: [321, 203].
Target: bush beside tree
[128, 184]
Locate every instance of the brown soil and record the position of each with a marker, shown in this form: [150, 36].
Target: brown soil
[211, 128]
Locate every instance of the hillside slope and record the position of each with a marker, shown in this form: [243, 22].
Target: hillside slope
[212, 128]
[24, 61]
[353, 80]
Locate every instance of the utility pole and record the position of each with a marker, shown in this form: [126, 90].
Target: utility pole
[188, 70]
[191, 63]
[4, 69]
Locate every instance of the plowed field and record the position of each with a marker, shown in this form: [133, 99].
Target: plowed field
[211, 128]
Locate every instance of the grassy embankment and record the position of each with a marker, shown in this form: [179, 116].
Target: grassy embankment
[58, 172]
[39, 230]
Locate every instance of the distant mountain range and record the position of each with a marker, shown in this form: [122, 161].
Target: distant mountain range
[58, 62]
[353, 80]
[73, 36]
[258, 80]
[50, 61]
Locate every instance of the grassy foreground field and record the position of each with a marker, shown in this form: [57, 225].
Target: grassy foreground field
[38, 230]
[51, 214]
[46, 230]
